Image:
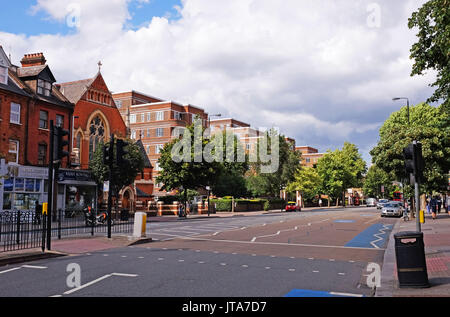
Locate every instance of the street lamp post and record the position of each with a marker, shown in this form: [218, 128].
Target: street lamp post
[416, 180]
[208, 188]
[407, 103]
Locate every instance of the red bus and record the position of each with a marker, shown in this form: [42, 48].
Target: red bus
[397, 196]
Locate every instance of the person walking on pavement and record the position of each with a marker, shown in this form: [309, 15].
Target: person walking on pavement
[433, 207]
[439, 204]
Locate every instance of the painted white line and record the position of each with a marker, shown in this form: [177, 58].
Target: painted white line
[271, 235]
[280, 243]
[98, 280]
[315, 271]
[10, 270]
[346, 294]
[34, 267]
[341, 273]
[267, 267]
[244, 265]
[291, 270]
[381, 232]
[180, 260]
[310, 258]
[56, 296]
[201, 262]
[141, 257]
[332, 260]
[161, 259]
[223, 264]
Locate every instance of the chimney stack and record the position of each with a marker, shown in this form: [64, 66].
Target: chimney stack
[36, 59]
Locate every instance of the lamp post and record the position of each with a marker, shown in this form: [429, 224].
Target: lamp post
[208, 188]
[407, 103]
[416, 180]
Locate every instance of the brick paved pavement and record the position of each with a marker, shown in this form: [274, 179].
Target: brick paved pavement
[437, 251]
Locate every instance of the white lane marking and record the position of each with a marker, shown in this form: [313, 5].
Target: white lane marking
[10, 270]
[24, 267]
[341, 273]
[276, 234]
[291, 270]
[34, 267]
[98, 280]
[201, 262]
[280, 243]
[381, 232]
[315, 271]
[267, 267]
[346, 294]
[223, 264]
[244, 265]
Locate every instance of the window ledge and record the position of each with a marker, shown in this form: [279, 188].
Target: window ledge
[15, 123]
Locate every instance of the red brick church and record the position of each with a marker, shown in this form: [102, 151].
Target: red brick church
[95, 119]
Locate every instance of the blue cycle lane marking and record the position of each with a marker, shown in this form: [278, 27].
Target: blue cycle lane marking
[373, 237]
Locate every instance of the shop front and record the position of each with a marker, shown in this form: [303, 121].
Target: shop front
[23, 187]
[76, 190]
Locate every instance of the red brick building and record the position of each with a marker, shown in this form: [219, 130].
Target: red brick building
[96, 118]
[29, 100]
[152, 121]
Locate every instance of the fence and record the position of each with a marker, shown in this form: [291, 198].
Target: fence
[20, 230]
[27, 229]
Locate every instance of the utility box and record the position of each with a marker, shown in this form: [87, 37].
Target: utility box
[140, 225]
[411, 262]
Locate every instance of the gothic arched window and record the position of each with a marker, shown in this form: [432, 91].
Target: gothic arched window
[96, 135]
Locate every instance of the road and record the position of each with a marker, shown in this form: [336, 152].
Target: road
[320, 253]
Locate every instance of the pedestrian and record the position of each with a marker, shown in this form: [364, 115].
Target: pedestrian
[439, 204]
[320, 202]
[428, 205]
[433, 207]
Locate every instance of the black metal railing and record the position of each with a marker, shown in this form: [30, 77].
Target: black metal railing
[27, 229]
[20, 230]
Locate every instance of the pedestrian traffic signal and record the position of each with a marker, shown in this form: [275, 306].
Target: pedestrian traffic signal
[414, 163]
[122, 151]
[61, 143]
[408, 155]
[106, 154]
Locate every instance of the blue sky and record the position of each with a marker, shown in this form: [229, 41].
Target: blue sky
[18, 17]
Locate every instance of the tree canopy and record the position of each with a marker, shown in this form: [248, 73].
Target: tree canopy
[430, 126]
[432, 50]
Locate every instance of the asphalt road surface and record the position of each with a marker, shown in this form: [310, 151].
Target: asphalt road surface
[320, 253]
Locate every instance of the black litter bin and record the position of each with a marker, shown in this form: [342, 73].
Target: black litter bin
[411, 263]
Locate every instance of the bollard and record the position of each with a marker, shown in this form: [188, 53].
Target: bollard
[140, 225]
[422, 216]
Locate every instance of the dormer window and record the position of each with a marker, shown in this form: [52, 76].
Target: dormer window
[3, 75]
[44, 87]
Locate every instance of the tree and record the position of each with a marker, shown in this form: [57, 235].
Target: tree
[230, 180]
[430, 126]
[123, 175]
[260, 183]
[340, 170]
[307, 181]
[375, 178]
[182, 163]
[432, 51]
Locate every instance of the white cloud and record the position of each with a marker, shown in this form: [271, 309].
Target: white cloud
[315, 65]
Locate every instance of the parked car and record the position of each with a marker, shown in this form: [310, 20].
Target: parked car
[371, 202]
[392, 208]
[292, 206]
[381, 203]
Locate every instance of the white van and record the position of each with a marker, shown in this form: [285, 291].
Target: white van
[371, 202]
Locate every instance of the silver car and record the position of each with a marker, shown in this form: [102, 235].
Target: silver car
[392, 209]
[371, 202]
[381, 203]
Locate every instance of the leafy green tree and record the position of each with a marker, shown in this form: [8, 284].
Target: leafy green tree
[430, 126]
[307, 181]
[340, 170]
[189, 170]
[375, 178]
[270, 184]
[432, 51]
[230, 180]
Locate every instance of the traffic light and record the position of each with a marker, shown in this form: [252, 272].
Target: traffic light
[61, 143]
[106, 154]
[408, 154]
[121, 152]
[414, 163]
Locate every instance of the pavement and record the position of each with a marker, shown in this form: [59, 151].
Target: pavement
[437, 253]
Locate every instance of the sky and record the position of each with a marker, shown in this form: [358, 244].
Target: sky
[324, 72]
